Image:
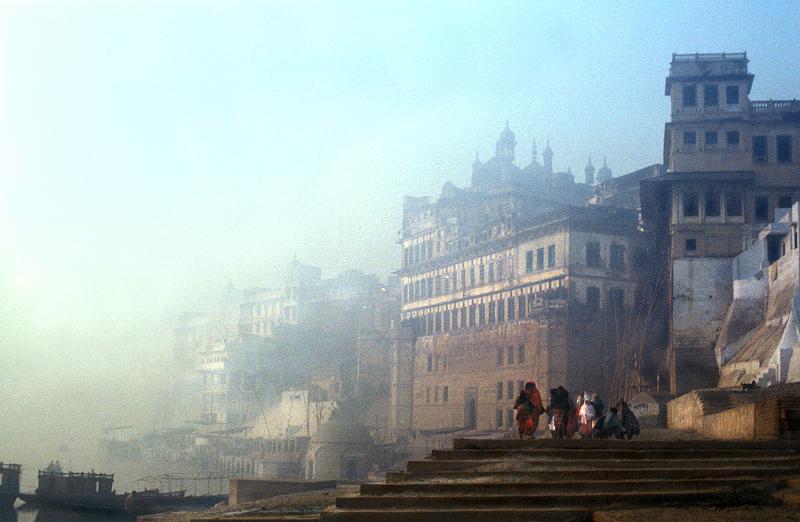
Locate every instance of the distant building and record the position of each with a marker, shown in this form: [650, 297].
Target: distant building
[624, 191]
[731, 162]
[509, 280]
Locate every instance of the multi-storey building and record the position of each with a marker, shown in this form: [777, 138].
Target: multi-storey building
[731, 161]
[511, 279]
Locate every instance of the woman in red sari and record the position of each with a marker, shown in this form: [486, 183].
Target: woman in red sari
[529, 408]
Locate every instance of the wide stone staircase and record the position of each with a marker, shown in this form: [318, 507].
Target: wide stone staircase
[559, 480]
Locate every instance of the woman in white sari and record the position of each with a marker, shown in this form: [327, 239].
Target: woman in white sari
[587, 416]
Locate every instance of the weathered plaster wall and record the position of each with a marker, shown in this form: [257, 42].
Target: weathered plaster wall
[702, 289]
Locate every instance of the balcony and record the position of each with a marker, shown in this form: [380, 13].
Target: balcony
[708, 57]
[774, 106]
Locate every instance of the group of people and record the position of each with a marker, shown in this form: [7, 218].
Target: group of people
[586, 416]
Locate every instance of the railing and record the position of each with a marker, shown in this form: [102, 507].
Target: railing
[699, 57]
[775, 105]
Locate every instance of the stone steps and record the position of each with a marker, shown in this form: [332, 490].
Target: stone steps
[461, 515]
[530, 500]
[640, 444]
[583, 473]
[531, 464]
[525, 488]
[508, 480]
[580, 453]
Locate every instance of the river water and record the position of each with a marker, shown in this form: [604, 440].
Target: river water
[31, 514]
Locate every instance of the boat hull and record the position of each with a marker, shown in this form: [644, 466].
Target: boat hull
[137, 505]
[109, 503]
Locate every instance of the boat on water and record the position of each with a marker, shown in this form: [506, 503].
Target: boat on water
[95, 492]
[9, 484]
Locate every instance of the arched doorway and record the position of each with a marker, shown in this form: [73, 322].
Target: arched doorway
[471, 408]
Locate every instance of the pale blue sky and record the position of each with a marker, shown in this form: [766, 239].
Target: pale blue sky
[152, 150]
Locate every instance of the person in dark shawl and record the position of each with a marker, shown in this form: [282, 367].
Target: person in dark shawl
[629, 420]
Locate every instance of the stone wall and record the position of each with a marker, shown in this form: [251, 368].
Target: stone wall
[249, 490]
[702, 289]
[734, 424]
[466, 367]
[684, 412]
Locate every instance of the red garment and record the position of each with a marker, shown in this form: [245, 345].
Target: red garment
[536, 399]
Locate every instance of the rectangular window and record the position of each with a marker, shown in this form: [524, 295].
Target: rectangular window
[616, 299]
[428, 394]
[521, 308]
[446, 321]
[438, 285]
[445, 394]
[463, 279]
[501, 311]
[511, 309]
[784, 144]
[691, 245]
[521, 354]
[510, 355]
[760, 149]
[500, 391]
[463, 322]
[690, 204]
[593, 254]
[712, 204]
[500, 271]
[510, 390]
[520, 386]
[762, 208]
[430, 364]
[498, 419]
[540, 259]
[499, 357]
[551, 256]
[437, 322]
[472, 277]
[732, 95]
[711, 137]
[510, 418]
[481, 274]
[732, 137]
[492, 311]
[711, 95]
[616, 258]
[447, 283]
[436, 394]
[491, 272]
[593, 298]
[733, 204]
[481, 314]
[784, 201]
[690, 95]
[529, 261]
[689, 138]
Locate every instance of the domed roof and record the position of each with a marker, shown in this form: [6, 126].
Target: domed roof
[339, 430]
[507, 136]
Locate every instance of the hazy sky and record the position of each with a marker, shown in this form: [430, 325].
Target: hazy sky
[152, 150]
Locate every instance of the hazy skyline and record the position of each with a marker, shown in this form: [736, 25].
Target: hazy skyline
[153, 150]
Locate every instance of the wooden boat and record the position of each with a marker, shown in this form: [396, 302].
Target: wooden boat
[9, 484]
[94, 492]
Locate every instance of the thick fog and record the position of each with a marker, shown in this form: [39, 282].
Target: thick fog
[150, 152]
